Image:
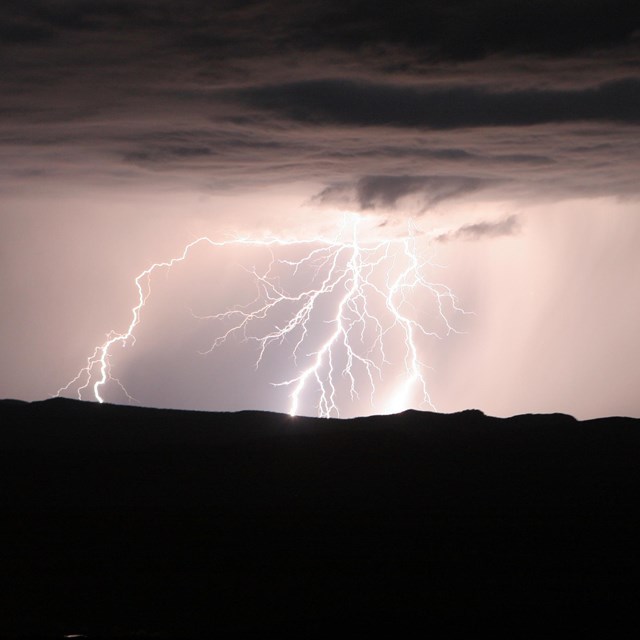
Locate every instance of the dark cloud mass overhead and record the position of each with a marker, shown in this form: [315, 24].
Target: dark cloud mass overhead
[469, 113]
[334, 87]
[357, 104]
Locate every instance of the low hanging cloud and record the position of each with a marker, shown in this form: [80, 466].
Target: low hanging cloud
[508, 226]
[386, 191]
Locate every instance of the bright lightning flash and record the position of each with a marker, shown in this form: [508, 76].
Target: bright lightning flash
[368, 287]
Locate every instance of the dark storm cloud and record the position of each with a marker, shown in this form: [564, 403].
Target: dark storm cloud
[464, 30]
[365, 104]
[16, 32]
[414, 31]
[367, 98]
[371, 192]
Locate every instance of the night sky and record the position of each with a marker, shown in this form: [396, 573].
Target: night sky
[507, 131]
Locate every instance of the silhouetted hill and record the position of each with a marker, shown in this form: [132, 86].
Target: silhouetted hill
[124, 521]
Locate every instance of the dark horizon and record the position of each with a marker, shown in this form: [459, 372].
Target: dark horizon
[130, 522]
[52, 400]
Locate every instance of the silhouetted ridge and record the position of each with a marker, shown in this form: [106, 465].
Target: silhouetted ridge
[9, 402]
[125, 520]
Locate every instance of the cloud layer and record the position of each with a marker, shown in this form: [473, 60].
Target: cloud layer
[438, 100]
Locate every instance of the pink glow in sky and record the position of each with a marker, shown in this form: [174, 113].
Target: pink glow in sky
[125, 134]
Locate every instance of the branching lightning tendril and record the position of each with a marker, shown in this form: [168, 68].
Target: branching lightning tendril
[370, 285]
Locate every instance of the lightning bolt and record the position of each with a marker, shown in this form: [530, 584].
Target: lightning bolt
[370, 286]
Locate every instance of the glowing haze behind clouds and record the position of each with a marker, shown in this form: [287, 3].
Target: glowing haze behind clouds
[511, 130]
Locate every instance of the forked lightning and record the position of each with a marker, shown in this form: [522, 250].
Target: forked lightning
[369, 287]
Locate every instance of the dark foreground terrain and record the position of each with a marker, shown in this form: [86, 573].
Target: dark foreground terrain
[128, 522]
